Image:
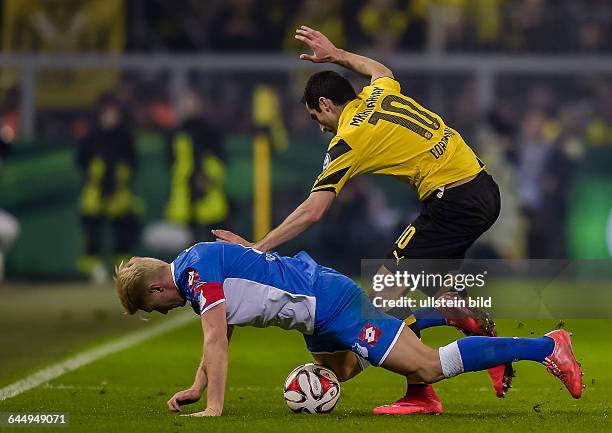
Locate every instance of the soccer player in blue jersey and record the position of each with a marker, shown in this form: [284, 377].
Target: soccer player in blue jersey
[230, 285]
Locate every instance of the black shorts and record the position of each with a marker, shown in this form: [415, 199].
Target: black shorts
[447, 226]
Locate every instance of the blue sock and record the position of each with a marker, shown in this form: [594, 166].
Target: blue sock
[428, 318]
[480, 353]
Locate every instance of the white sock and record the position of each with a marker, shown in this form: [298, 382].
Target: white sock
[450, 359]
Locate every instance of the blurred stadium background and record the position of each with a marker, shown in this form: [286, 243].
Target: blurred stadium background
[133, 127]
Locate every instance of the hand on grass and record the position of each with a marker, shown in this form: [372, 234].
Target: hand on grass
[207, 412]
[182, 398]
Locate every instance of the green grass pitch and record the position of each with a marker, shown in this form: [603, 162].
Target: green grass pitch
[127, 391]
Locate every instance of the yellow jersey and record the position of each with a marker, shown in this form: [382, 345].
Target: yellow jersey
[385, 132]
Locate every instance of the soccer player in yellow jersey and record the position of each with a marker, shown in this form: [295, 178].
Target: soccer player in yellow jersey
[382, 131]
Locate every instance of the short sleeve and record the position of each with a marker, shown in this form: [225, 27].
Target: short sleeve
[203, 278]
[387, 83]
[337, 167]
[206, 295]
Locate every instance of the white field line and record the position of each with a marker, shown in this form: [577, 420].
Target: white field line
[89, 356]
[111, 388]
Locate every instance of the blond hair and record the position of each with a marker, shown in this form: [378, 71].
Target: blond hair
[133, 278]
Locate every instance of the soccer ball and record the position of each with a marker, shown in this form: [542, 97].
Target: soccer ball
[311, 388]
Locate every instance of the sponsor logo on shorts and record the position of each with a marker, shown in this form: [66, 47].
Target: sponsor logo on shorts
[370, 335]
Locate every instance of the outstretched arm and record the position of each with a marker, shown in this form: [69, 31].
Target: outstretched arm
[214, 361]
[324, 51]
[201, 378]
[305, 215]
[193, 394]
[214, 326]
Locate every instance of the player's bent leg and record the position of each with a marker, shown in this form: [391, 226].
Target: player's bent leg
[371, 335]
[418, 363]
[478, 353]
[419, 397]
[554, 350]
[413, 359]
[426, 240]
[345, 365]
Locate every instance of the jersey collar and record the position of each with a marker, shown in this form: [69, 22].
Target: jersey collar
[345, 112]
[174, 280]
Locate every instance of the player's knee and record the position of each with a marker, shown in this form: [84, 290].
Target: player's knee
[344, 372]
[339, 371]
[350, 369]
[342, 376]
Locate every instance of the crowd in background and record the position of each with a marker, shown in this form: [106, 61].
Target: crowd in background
[550, 26]
[514, 26]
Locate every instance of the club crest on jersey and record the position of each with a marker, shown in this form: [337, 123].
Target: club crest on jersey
[370, 335]
[192, 278]
[326, 161]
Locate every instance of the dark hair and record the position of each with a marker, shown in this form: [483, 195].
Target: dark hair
[327, 84]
